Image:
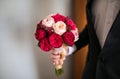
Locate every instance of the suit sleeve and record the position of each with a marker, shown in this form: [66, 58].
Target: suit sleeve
[83, 38]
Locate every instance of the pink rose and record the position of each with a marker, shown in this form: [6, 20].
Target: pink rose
[56, 40]
[68, 38]
[59, 27]
[40, 34]
[45, 45]
[75, 32]
[59, 17]
[48, 21]
[70, 24]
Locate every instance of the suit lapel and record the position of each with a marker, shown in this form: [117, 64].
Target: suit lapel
[91, 25]
[93, 32]
[112, 29]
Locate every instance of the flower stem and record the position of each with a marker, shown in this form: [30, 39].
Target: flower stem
[59, 72]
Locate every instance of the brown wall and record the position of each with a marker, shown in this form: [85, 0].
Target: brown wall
[79, 14]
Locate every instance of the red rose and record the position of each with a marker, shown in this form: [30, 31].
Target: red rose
[59, 17]
[45, 45]
[70, 24]
[40, 34]
[68, 38]
[39, 25]
[56, 40]
[49, 32]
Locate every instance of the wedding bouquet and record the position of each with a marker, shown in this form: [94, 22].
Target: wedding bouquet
[56, 32]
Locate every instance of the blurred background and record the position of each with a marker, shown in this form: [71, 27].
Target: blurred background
[20, 58]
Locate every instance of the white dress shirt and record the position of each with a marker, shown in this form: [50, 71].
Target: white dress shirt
[104, 13]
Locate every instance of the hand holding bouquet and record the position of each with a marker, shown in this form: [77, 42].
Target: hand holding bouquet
[56, 32]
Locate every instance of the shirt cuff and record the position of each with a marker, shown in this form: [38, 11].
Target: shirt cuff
[71, 49]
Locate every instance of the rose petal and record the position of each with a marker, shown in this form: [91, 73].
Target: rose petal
[45, 45]
[55, 40]
[59, 17]
[68, 38]
[40, 34]
[70, 24]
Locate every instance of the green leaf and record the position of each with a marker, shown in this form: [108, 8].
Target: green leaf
[59, 72]
[38, 44]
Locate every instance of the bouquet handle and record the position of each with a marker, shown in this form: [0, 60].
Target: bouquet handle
[59, 66]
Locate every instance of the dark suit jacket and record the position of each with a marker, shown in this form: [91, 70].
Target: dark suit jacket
[102, 63]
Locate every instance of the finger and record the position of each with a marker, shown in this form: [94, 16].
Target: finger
[55, 63]
[55, 60]
[55, 56]
[55, 53]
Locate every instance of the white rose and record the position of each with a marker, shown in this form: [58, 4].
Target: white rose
[48, 21]
[75, 32]
[59, 27]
